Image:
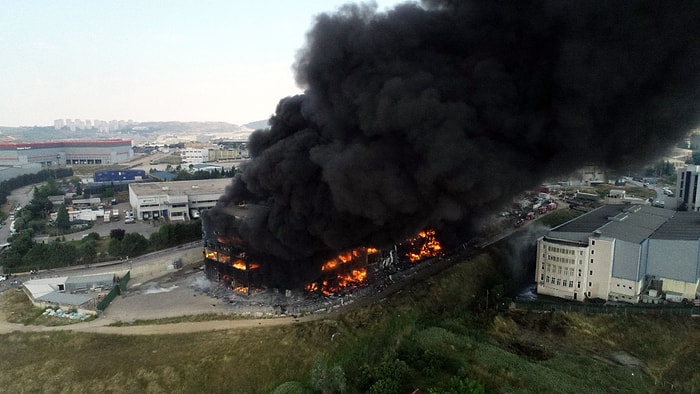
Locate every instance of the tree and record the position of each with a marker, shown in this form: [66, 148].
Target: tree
[115, 247]
[62, 219]
[327, 380]
[117, 233]
[133, 244]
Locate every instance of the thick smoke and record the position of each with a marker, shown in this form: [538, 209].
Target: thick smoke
[433, 114]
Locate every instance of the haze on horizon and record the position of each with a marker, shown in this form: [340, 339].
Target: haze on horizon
[216, 60]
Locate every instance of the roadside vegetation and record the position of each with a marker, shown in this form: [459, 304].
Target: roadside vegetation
[26, 255]
[446, 334]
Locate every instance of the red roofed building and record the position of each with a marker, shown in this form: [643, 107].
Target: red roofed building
[68, 152]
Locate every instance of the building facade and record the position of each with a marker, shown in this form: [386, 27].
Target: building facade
[687, 186]
[176, 200]
[58, 153]
[621, 253]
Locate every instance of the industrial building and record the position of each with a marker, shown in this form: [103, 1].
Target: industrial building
[73, 152]
[628, 253]
[118, 176]
[176, 200]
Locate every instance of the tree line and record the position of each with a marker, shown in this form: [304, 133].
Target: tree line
[25, 254]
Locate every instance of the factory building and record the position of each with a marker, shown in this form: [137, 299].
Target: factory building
[59, 153]
[176, 200]
[622, 253]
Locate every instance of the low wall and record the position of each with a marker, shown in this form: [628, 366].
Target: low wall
[160, 264]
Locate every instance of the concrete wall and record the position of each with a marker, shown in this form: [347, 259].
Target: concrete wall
[144, 268]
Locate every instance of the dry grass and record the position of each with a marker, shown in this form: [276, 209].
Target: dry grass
[442, 316]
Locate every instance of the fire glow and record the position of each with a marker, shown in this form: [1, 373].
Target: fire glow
[241, 265]
[344, 281]
[423, 246]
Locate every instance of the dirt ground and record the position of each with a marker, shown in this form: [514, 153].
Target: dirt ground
[178, 294]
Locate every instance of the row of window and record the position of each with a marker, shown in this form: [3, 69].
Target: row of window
[555, 249]
[558, 269]
[560, 282]
[558, 259]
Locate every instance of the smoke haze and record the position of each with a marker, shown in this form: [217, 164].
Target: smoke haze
[433, 114]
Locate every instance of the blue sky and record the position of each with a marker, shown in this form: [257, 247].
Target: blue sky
[150, 60]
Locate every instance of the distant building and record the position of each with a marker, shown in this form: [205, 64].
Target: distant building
[621, 253]
[69, 152]
[195, 155]
[687, 186]
[175, 200]
[206, 167]
[119, 175]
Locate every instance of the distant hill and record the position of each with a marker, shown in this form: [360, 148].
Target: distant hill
[187, 127]
[258, 124]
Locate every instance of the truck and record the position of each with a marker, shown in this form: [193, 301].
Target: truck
[115, 215]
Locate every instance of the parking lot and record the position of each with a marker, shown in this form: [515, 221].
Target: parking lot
[143, 227]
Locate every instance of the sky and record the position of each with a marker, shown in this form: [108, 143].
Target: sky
[171, 60]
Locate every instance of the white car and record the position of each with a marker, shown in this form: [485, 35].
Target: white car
[3, 277]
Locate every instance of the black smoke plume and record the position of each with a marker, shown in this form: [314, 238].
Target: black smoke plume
[432, 114]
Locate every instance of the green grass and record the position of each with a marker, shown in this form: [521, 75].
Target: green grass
[178, 319]
[438, 329]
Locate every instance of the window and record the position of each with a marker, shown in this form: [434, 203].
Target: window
[547, 278]
[571, 283]
[558, 282]
[578, 285]
[592, 251]
[590, 284]
[592, 243]
[590, 272]
[591, 261]
[542, 277]
[579, 272]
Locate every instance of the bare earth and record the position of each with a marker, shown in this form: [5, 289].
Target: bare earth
[167, 296]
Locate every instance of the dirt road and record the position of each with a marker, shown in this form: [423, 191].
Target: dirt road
[168, 296]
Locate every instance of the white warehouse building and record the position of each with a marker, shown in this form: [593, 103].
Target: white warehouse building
[621, 253]
[177, 200]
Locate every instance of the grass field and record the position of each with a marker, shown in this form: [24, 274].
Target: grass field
[437, 336]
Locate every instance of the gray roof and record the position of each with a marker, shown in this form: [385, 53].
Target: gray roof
[683, 225]
[65, 299]
[178, 188]
[636, 224]
[90, 279]
[632, 223]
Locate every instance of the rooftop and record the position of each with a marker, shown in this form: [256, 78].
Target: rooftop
[630, 223]
[204, 186]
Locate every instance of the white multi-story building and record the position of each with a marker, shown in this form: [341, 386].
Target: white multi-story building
[177, 200]
[617, 251]
[687, 186]
[195, 155]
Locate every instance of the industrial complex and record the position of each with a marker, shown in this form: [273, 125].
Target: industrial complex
[71, 152]
[628, 253]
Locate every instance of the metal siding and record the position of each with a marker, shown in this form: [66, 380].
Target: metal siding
[673, 259]
[626, 259]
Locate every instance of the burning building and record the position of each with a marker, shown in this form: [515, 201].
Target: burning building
[433, 115]
[229, 260]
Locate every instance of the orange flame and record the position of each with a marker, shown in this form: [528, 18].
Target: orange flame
[346, 257]
[424, 245]
[241, 265]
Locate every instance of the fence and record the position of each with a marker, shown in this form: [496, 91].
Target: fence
[116, 290]
[610, 309]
